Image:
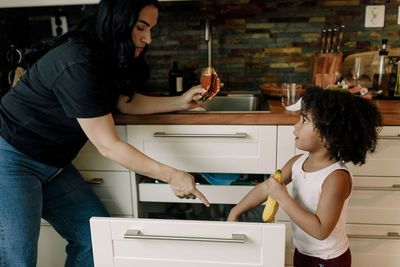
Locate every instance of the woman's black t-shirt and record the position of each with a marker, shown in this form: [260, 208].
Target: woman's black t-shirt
[38, 116]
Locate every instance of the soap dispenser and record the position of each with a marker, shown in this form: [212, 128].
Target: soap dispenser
[381, 80]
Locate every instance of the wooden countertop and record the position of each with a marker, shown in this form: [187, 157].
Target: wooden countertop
[278, 115]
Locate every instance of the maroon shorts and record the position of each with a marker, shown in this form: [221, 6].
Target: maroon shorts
[301, 260]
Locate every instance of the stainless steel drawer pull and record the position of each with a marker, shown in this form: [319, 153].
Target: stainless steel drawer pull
[389, 137]
[390, 235]
[95, 181]
[164, 134]
[136, 234]
[395, 187]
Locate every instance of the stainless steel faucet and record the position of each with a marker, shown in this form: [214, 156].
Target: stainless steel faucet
[208, 39]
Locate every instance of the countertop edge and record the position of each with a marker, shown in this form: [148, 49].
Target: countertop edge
[390, 110]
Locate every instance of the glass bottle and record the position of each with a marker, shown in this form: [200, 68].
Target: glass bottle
[175, 79]
[381, 80]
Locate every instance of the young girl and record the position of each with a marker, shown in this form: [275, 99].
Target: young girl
[334, 128]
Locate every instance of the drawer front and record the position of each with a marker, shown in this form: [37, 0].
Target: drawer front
[89, 159]
[216, 194]
[385, 161]
[289, 245]
[370, 247]
[375, 201]
[205, 148]
[113, 189]
[263, 244]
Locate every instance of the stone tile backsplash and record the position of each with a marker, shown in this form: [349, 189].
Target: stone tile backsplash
[254, 41]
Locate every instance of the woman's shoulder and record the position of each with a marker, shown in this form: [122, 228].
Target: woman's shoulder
[70, 51]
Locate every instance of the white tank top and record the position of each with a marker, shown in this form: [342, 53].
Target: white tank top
[306, 192]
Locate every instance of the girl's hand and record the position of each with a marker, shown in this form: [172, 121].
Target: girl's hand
[183, 186]
[187, 98]
[276, 190]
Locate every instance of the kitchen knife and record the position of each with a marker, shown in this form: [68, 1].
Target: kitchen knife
[334, 39]
[328, 40]
[340, 38]
[323, 40]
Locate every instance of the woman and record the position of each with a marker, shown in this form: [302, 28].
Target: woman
[67, 97]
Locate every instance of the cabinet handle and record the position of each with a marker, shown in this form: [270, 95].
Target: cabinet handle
[136, 234]
[164, 134]
[396, 137]
[95, 181]
[389, 235]
[395, 187]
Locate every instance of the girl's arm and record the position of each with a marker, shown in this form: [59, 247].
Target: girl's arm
[141, 104]
[259, 194]
[335, 190]
[101, 132]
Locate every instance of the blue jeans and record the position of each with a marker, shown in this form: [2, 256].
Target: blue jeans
[29, 191]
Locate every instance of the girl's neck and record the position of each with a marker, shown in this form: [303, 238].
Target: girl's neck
[317, 161]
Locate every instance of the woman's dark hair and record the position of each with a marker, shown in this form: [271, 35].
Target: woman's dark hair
[109, 36]
[348, 124]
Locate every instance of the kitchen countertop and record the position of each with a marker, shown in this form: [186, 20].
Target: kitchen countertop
[277, 116]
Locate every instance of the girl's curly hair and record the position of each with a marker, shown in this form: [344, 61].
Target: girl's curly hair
[347, 124]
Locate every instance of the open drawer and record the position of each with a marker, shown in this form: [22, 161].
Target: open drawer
[119, 242]
[216, 194]
[208, 148]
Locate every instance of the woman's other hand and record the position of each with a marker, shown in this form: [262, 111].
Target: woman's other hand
[187, 98]
[183, 186]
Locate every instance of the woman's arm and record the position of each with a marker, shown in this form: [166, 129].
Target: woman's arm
[141, 104]
[259, 194]
[335, 190]
[101, 132]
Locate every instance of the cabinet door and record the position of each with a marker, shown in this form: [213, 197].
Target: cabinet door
[113, 189]
[173, 243]
[385, 161]
[89, 159]
[374, 245]
[208, 148]
[51, 247]
[375, 200]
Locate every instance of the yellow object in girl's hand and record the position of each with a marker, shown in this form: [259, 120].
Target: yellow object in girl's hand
[271, 207]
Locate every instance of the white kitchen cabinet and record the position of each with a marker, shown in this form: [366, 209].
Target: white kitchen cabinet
[51, 247]
[204, 148]
[374, 245]
[113, 189]
[208, 148]
[373, 221]
[36, 3]
[385, 161]
[180, 243]
[110, 182]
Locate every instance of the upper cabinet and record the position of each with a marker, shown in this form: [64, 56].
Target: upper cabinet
[35, 3]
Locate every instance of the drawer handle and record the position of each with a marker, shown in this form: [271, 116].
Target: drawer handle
[389, 137]
[164, 134]
[395, 187]
[136, 234]
[95, 181]
[389, 235]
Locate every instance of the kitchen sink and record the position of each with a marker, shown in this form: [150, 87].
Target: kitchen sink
[234, 103]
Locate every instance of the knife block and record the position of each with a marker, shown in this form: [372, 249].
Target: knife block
[325, 67]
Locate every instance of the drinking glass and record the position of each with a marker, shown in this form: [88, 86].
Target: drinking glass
[356, 71]
[290, 93]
